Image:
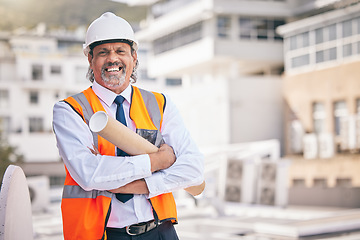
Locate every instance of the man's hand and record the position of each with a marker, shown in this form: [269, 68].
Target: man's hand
[163, 158]
[94, 151]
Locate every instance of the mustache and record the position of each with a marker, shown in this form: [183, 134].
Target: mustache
[113, 64]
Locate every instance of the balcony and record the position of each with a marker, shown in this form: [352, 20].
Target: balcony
[163, 8]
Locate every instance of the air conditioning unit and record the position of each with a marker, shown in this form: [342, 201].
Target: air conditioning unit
[357, 132]
[352, 132]
[272, 186]
[296, 136]
[326, 145]
[310, 146]
[240, 183]
[39, 188]
[233, 180]
[267, 183]
[348, 133]
[344, 134]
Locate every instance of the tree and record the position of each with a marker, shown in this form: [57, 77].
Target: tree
[8, 155]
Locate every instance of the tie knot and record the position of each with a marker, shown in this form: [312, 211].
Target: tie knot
[119, 100]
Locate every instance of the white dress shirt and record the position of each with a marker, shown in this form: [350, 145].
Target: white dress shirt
[102, 172]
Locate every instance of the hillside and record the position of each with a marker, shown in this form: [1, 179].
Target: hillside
[61, 13]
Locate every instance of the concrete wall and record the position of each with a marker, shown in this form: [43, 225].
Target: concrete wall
[340, 167]
[323, 196]
[256, 108]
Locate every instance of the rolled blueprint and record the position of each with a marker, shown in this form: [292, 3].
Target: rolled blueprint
[127, 140]
[120, 135]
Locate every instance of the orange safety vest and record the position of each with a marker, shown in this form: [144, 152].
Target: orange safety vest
[85, 213]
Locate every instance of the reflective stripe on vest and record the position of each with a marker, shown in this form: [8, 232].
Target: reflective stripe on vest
[75, 191]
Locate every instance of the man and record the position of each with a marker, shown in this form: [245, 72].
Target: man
[108, 194]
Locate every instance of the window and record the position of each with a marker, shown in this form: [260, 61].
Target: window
[332, 32]
[34, 97]
[325, 34]
[4, 98]
[320, 57]
[340, 111]
[259, 28]
[36, 124]
[55, 70]
[299, 41]
[347, 50]
[347, 28]
[343, 182]
[320, 182]
[304, 38]
[223, 26]
[319, 116]
[319, 36]
[143, 75]
[173, 81]
[298, 182]
[332, 53]
[179, 38]
[37, 72]
[245, 28]
[262, 25]
[5, 126]
[293, 43]
[56, 180]
[300, 61]
[326, 55]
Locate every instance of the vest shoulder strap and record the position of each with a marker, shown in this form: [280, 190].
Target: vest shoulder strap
[154, 103]
[80, 104]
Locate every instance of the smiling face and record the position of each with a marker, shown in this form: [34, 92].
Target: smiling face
[113, 64]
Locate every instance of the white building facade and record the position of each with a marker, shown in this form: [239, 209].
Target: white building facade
[221, 62]
[36, 70]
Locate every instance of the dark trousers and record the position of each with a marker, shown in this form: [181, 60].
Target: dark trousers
[165, 231]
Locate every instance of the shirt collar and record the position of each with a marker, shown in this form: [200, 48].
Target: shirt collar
[108, 96]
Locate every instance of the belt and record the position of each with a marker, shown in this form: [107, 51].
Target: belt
[136, 229]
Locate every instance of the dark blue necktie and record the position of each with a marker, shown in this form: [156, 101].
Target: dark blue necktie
[120, 116]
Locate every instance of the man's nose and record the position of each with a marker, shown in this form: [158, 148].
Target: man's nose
[112, 56]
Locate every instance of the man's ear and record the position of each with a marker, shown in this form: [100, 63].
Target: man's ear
[134, 56]
[90, 59]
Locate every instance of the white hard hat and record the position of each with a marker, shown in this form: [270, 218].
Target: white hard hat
[106, 28]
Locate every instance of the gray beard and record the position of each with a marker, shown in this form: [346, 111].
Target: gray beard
[113, 81]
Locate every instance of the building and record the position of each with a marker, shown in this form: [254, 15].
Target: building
[322, 94]
[220, 61]
[38, 68]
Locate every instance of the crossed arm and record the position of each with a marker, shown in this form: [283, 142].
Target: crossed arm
[159, 160]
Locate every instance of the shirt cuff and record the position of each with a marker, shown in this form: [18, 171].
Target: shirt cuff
[155, 184]
[143, 165]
